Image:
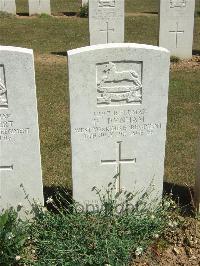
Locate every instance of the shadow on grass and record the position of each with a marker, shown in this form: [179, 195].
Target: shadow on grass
[149, 12]
[182, 195]
[195, 52]
[70, 14]
[60, 195]
[23, 14]
[59, 53]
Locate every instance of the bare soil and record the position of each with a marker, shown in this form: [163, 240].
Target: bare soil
[189, 64]
[180, 247]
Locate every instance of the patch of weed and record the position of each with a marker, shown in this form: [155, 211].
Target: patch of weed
[104, 236]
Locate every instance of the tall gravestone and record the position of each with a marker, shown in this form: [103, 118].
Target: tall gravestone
[39, 7]
[20, 166]
[8, 6]
[123, 90]
[106, 21]
[176, 26]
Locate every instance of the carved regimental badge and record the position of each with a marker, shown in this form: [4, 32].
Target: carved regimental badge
[177, 3]
[119, 83]
[106, 3]
[3, 89]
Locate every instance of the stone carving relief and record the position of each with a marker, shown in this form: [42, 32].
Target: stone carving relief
[106, 3]
[118, 86]
[177, 3]
[3, 91]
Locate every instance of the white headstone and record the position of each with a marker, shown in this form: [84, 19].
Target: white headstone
[84, 2]
[176, 26]
[106, 21]
[118, 113]
[8, 6]
[39, 7]
[20, 166]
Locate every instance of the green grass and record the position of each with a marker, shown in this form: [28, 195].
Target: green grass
[48, 35]
[131, 6]
[183, 126]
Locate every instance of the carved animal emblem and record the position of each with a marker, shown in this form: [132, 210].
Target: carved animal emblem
[177, 3]
[3, 96]
[118, 86]
[106, 3]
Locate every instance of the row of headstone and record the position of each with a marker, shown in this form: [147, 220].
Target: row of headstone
[121, 132]
[35, 6]
[106, 24]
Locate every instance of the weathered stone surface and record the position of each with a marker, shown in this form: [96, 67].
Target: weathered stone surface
[39, 7]
[8, 6]
[176, 26]
[118, 112]
[106, 21]
[20, 166]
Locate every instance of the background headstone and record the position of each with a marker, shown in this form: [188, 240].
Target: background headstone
[20, 166]
[176, 26]
[84, 2]
[106, 21]
[39, 7]
[123, 90]
[8, 6]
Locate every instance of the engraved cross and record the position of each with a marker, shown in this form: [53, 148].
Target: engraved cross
[177, 31]
[119, 162]
[6, 168]
[107, 30]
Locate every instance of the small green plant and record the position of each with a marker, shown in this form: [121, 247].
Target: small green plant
[174, 59]
[13, 235]
[44, 15]
[83, 13]
[111, 234]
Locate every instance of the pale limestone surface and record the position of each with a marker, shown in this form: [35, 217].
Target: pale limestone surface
[20, 166]
[118, 114]
[8, 6]
[176, 26]
[106, 21]
[84, 2]
[39, 7]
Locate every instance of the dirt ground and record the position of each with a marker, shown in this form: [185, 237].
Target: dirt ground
[180, 247]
